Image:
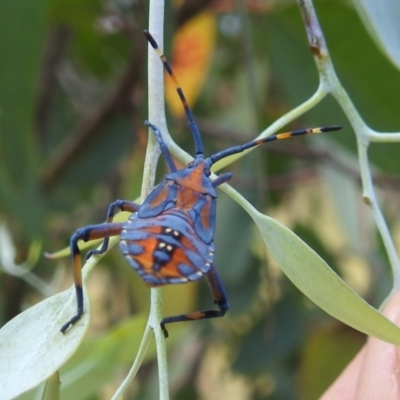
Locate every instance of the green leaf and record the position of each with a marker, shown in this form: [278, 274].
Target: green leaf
[381, 19]
[319, 283]
[32, 347]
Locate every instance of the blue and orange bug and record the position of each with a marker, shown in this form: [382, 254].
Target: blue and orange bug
[169, 238]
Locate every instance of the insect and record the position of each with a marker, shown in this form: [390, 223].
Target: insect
[169, 238]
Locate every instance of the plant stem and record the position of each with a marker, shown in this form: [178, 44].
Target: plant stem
[156, 117]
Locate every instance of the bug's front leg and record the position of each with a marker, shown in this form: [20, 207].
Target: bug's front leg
[220, 299]
[87, 233]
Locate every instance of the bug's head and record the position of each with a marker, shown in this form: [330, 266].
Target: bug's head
[201, 164]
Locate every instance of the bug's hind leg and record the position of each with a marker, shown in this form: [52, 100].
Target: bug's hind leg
[123, 205]
[87, 233]
[220, 299]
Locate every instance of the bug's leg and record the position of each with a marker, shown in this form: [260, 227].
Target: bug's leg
[87, 233]
[222, 179]
[123, 205]
[220, 299]
[163, 147]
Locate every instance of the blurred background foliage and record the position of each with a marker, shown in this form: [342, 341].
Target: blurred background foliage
[73, 100]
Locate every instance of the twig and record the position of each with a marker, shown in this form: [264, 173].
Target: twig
[81, 137]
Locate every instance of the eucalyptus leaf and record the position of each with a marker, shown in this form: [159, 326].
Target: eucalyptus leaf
[32, 347]
[319, 283]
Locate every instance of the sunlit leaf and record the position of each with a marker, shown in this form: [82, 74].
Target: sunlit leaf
[319, 283]
[32, 347]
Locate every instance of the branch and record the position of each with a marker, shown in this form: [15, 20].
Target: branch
[83, 135]
[157, 117]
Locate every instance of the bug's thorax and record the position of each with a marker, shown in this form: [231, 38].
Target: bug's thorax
[195, 178]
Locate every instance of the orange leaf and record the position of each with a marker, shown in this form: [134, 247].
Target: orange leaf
[193, 48]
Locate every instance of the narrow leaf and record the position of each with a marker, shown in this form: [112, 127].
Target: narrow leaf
[32, 347]
[193, 48]
[319, 283]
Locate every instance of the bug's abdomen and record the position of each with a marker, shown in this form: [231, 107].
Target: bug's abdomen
[165, 249]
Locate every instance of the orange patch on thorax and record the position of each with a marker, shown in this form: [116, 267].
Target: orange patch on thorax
[195, 180]
[186, 198]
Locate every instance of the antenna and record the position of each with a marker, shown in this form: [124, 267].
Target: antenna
[192, 124]
[286, 135]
